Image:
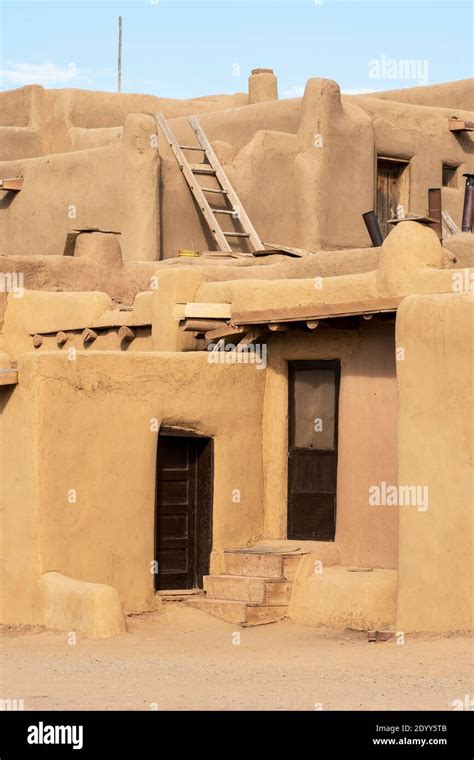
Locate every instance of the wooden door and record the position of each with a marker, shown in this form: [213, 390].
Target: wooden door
[312, 451]
[392, 190]
[183, 511]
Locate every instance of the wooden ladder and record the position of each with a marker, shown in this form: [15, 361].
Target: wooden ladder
[234, 209]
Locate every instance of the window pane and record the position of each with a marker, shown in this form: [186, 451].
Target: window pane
[315, 394]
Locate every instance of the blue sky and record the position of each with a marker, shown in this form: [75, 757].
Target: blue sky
[185, 49]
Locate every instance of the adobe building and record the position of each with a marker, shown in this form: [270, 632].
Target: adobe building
[280, 424]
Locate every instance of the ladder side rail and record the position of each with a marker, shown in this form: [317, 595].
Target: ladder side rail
[196, 190]
[223, 180]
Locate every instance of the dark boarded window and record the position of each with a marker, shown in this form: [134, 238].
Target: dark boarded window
[312, 452]
[450, 175]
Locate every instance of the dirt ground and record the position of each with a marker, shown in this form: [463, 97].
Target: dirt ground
[183, 659]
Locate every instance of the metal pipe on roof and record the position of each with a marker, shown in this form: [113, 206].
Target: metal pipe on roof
[371, 222]
[468, 208]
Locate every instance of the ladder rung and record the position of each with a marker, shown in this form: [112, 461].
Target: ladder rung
[211, 190]
[192, 147]
[222, 211]
[237, 234]
[202, 169]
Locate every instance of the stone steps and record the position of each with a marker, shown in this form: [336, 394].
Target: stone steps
[244, 588]
[254, 589]
[240, 613]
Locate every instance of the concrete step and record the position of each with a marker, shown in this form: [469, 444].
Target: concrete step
[240, 613]
[266, 565]
[247, 589]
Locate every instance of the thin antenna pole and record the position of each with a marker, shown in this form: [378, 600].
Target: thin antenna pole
[119, 83]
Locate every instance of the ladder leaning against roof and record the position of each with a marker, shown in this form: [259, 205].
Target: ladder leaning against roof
[212, 168]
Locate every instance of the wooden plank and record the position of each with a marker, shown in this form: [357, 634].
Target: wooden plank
[226, 331]
[207, 310]
[315, 312]
[449, 225]
[459, 125]
[272, 248]
[414, 218]
[223, 180]
[201, 169]
[15, 184]
[253, 564]
[8, 377]
[201, 325]
[213, 190]
[193, 185]
[237, 588]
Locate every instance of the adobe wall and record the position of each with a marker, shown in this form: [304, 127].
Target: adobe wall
[304, 169]
[422, 136]
[113, 188]
[365, 535]
[279, 155]
[93, 417]
[63, 117]
[20, 565]
[435, 450]
[458, 94]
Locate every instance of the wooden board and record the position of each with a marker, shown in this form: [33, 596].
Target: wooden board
[226, 331]
[15, 185]
[8, 377]
[207, 310]
[459, 125]
[274, 248]
[392, 189]
[183, 520]
[318, 311]
[312, 456]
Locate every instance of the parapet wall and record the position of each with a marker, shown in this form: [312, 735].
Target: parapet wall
[304, 169]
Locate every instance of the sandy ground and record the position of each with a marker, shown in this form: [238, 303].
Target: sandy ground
[183, 659]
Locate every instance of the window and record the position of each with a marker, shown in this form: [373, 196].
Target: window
[314, 403]
[450, 175]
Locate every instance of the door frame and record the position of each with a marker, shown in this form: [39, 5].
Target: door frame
[204, 499]
[299, 364]
[404, 165]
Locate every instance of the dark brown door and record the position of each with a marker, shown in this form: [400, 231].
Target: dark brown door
[183, 511]
[392, 190]
[312, 452]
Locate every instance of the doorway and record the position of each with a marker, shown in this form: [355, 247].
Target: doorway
[312, 449]
[392, 190]
[183, 515]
